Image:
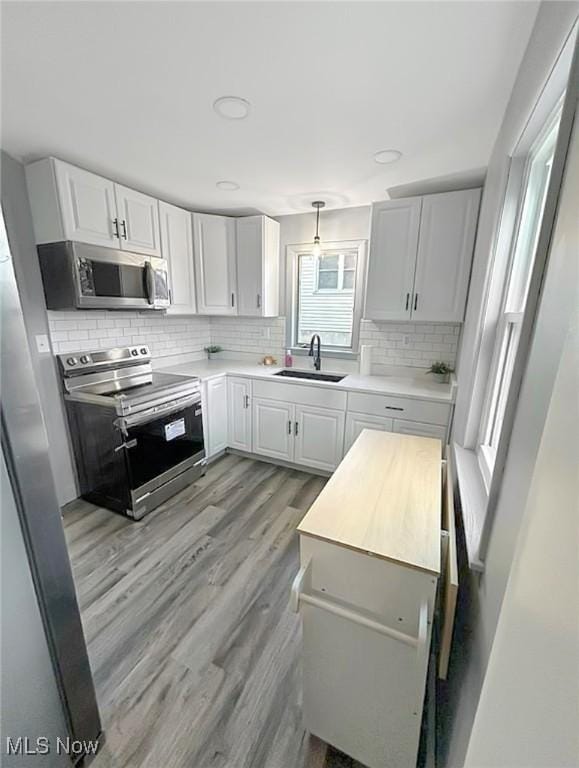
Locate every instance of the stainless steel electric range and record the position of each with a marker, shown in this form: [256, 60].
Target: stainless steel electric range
[137, 434]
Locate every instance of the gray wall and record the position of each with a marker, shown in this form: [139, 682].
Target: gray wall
[482, 596]
[340, 224]
[18, 219]
[528, 714]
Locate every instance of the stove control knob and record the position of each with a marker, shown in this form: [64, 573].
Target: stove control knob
[143, 350]
[85, 359]
[71, 361]
[134, 352]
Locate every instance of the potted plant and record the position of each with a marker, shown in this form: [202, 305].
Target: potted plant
[441, 372]
[212, 349]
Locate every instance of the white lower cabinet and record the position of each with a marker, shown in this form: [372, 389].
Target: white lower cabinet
[419, 428]
[302, 434]
[239, 413]
[273, 433]
[215, 415]
[318, 437]
[356, 422]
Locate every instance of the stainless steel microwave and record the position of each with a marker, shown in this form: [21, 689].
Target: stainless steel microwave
[80, 276]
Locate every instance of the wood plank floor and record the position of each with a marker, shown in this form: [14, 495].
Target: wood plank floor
[194, 652]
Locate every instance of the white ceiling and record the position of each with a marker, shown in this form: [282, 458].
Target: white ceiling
[126, 89]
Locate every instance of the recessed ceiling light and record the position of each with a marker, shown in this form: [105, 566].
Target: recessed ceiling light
[385, 156]
[232, 107]
[228, 186]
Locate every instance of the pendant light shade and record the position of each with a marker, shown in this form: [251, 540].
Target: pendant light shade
[317, 248]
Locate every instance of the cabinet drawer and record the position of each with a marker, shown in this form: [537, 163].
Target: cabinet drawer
[300, 394]
[404, 407]
[419, 428]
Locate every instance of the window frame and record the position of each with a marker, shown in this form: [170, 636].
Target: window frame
[293, 252]
[509, 323]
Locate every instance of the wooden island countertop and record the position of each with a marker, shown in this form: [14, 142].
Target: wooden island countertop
[384, 500]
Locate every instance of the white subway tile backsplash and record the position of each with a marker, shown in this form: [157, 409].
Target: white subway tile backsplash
[395, 344]
[166, 335]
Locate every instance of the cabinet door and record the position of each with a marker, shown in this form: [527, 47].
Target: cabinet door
[258, 266]
[356, 422]
[215, 413]
[177, 248]
[273, 429]
[214, 248]
[447, 232]
[88, 206]
[239, 406]
[250, 265]
[319, 437]
[393, 247]
[138, 221]
[419, 428]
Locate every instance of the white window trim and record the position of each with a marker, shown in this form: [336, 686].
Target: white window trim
[485, 451]
[479, 502]
[293, 251]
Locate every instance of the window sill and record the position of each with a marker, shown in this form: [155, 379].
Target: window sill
[473, 502]
[345, 354]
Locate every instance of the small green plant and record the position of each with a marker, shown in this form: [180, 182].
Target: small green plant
[212, 349]
[441, 368]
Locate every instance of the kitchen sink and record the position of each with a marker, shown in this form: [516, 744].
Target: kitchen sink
[314, 375]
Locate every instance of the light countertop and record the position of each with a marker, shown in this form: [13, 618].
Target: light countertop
[384, 500]
[417, 388]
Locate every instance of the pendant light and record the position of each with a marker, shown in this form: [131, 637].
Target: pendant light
[317, 249]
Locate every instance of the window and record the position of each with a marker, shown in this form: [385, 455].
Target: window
[336, 271]
[536, 180]
[326, 294]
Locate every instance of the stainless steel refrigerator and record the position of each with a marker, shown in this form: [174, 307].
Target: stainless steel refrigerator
[47, 688]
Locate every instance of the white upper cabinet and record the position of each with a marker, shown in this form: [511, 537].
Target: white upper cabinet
[258, 266]
[69, 203]
[138, 221]
[393, 247]
[445, 247]
[177, 249]
[215, 273]
[420, 257]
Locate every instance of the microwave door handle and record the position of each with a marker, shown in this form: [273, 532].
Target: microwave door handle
[150, 281]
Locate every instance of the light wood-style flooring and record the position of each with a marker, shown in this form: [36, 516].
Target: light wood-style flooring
[194, 651]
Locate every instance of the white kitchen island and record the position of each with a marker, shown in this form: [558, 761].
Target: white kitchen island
[366, 590]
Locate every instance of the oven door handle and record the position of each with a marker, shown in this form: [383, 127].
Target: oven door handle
[126, 422]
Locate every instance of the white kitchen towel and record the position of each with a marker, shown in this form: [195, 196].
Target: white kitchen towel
[366, 359]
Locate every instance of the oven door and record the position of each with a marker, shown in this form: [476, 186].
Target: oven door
[162, 449]
[111, 279]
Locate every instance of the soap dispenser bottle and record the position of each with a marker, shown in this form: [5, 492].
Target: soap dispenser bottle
[289, 361]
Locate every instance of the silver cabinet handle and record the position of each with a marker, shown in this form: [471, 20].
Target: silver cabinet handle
[232, 299]
[415, 300]
[393, 408]
[246, 401]
[124, 225]
[116, 226]
[289, 427]
[296, 428]
[407, 300]
[258, 301]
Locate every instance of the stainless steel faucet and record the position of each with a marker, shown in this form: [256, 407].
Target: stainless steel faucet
[317, 355]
